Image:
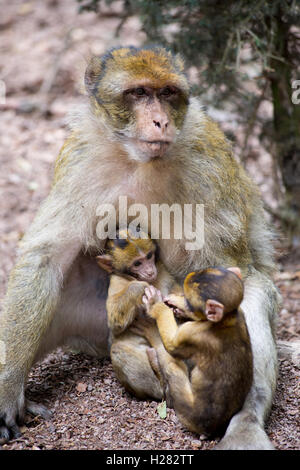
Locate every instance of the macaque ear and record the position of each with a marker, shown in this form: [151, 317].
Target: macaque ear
[214, 310]
[105, 262]
[92, 73]
[236, 271]
[179, 62]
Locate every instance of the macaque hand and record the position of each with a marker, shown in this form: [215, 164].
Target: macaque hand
[137, 291]
[175, 302]
[138, 287]
[151, 297]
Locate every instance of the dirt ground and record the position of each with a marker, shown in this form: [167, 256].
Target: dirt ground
[44, 46]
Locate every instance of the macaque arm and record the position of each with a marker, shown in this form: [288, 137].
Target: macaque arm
[124, 299]
[174, 338]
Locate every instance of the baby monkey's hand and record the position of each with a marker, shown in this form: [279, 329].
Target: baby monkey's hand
[151, 297]
[177, 303]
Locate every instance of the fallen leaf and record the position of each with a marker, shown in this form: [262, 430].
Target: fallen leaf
[162, 410]
[81, 387]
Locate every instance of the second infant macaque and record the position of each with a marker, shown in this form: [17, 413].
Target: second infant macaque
[206, 362]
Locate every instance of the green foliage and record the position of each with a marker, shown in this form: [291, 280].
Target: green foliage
[214, 35]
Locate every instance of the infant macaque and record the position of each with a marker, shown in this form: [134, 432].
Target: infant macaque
[131, 260]
[206, 362]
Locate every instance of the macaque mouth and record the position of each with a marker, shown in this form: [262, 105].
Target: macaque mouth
[157, 148]
[156, 142]
[148, 278]
[152, 148]
[143, 278]
[152, 278]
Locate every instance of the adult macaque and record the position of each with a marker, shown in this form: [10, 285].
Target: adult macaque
[213, 387]
[140, 134]
[131, 260]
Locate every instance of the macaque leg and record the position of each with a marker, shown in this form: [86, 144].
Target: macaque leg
[153, 361]
[32, 299]
[179, 393]
[260, 305]
[132, 367]
[76, 316]
[80, 320]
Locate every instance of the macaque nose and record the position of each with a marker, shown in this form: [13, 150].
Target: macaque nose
[161, 123]
[151, 274]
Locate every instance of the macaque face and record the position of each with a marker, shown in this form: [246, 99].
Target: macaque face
[142, 95]
[143, 267]
[154, 112]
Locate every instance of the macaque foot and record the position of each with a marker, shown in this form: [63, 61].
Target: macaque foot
[8, 432]
[245, 436]
[10, 419]
[37, 409]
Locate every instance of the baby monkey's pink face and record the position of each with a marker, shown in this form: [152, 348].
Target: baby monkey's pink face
[143, 267]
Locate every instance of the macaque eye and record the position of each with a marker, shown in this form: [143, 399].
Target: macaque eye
[137, 263]
[166, 91]
[149, 255]
[140, 91]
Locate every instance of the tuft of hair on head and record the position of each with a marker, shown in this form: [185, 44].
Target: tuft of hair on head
[122, 64]
[217, 283]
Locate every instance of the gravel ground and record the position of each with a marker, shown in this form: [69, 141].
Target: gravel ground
[90, 409]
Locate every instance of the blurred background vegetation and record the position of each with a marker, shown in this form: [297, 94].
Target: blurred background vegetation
[243, 57]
